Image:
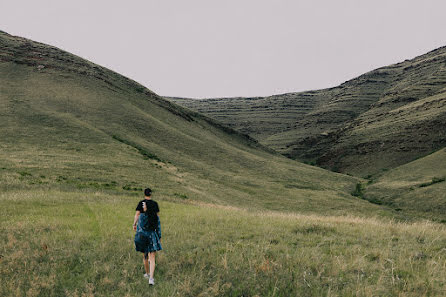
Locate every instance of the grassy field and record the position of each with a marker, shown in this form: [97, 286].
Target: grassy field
[57, 243]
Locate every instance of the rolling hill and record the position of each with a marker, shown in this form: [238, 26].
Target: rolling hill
[78, 143]
[71, 124]
[417, 187]
[377, 121]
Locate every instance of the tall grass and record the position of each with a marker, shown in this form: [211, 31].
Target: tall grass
[81, 244]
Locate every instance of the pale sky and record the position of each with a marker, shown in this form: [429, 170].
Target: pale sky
[226, 48]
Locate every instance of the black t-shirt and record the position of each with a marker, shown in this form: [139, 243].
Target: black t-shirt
[152, 213]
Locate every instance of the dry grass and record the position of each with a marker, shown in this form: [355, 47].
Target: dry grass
[80, 244]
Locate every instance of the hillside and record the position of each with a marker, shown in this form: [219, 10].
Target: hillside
[377, 121]
[416, 187]
[78, 143]
[71, 124]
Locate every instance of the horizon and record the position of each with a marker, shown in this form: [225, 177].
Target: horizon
[193, 51]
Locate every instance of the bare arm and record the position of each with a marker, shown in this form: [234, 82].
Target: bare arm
[158, 229]
[135, 220]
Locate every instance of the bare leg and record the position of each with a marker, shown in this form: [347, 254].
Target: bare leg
[146, 263]
[152, 263]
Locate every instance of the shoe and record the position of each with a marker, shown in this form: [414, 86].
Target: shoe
[146, 276]
[151, 281]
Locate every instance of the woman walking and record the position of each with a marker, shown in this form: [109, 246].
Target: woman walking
[148, 233]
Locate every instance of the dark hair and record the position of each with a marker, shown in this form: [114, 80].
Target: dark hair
[147, 192]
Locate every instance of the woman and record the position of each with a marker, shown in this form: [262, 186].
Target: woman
[148, 233]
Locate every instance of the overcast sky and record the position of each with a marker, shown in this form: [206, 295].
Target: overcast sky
[224, 48]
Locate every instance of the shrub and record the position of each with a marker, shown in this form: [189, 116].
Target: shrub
[359, 191]
[182, 196]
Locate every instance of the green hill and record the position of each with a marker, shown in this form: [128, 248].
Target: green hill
[78, 143]
[69, 123]
[377, 121]
[416, 187]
